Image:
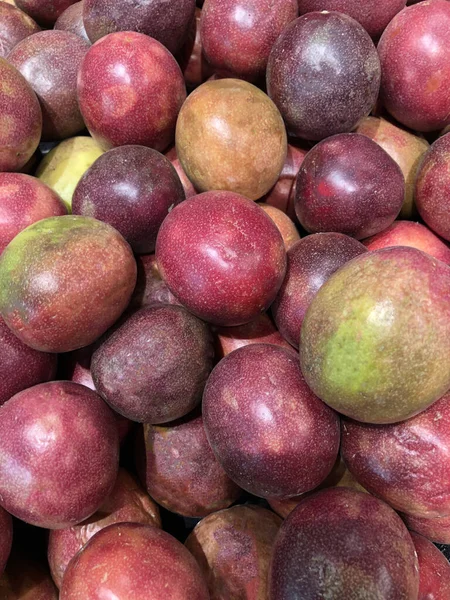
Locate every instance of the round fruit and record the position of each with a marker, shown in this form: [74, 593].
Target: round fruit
[45, 12]
[15, 25]
[72, 20]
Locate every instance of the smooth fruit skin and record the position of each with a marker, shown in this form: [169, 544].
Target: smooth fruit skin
[49, 61]
[64, 281]
[285, 224]
[190, 57]
[72, 20]
[348, 184]
[222, 257]
[62, 446]
[21, 128]
[15, 25]
[437, 530]
[233, 548]
[230, 136]
[189, 189]
[337, 48]
[273, 437]
[44, 12]
[310, 263]
[433, 187]
[150, 288]
[343, 544]
[375, 340]
[415, 65]
[434, 570]
[129, 560]
[6, 536]
[130, 91]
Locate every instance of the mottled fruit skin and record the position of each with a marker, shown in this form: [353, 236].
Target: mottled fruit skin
[120, 561]
[26, 579]
[342, 543]
[433, 187]
[49, 61]
[126, 503]
[348, 184]
[64, 281]
[230, 136]
[150, 288]
[415, 64]
[118, 76]
[404, 147]
[285, 224]
[342, 52]
[196, 69]
[6, 536]
[63, 437]
[375, 341]
[374, 15]
[272, 436]
[238, 35]
[15, 25]
[437, 530]
[132, 188]
[311, 261]
[434, 570]
[21, 126]
[154, 367]
[72, 20]
[44, 12]
[415, 235]
[166, 22]
[236, 257]
[180, 471]
[233, 548]
[25, 200]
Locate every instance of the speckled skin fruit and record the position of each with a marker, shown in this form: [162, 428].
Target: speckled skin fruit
[348, 184]
[238, 35]
[132, 188]
[374, 15]
[21, 119]
[434, 570]
[44, 12]
[141, 104]
[284, 224]
[126, 503]
[415, 61]
[375, 341]
[343, 544]
[25, 200]
[233, 548]
[49, 61]
[154, 367]
[437, 530]
[404, 463]
[230, 136]
[310, 263]
[415, 235]
[15, 25]
[128, 561]
[195, 67]
[236, 257]
[72, 20]
[64, 281]
[341, 50]
[20, 366]
[404, 147]
[150, 288]
[180, 471]
[189, 189]
[25, 579]
[63, 449]
[272, 436]
[6, 536]
[164, 21]
[433, 186]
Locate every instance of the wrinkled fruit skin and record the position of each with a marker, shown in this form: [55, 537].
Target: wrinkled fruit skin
[180, 470]
[150, 288]
[132, 188]
[6, 529]
[376, 338]
[348, 184]
[126, 503]
[434, 570]
[44, 12]
[237, 259]
[64, 281]
[233, 548]
[64, 437]
[120, 561]
[231, 109]
[21, 128]
[72, 20]
[415, 64]
[15, 25]
[26, 579]
[433, 187]
[310, 263]
[317, 107]
[115, 107]
[341, 542]
[168, 23]
[154, 367]
[49, 61]
[272, 436]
